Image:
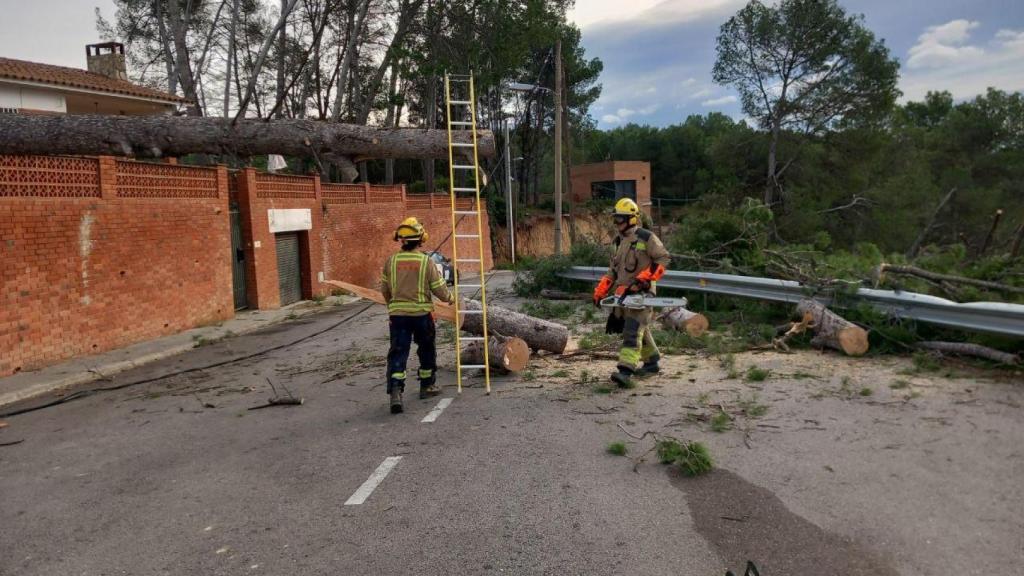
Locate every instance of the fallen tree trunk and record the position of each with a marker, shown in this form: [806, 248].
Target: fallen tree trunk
[538, 334]
[693, 323]
[551, 294]
[441, 310]
[158, 136]
[833, 330]
[508, 353]
[967, 349]
[936, 277]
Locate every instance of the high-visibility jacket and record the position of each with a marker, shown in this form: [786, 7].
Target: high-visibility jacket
[635, 251]
[409, 278]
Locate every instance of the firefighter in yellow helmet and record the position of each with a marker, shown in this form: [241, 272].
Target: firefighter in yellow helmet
[409, 279]
[638, 263]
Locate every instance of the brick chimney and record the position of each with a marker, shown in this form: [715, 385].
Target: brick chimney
[107, 59]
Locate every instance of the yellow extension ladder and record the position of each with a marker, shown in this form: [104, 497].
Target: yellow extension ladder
[462, 125]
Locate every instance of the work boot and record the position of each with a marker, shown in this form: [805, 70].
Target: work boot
[428, 391]
[396, 400]
[650, 368]
[623, 378]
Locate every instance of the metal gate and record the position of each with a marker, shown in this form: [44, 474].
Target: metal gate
[237, 260]
[289, 271]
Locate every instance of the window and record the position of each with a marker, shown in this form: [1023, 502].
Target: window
[614, 189]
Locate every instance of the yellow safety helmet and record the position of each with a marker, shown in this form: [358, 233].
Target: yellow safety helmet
[411, 229]
[628, 208]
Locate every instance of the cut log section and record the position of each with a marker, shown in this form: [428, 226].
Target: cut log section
[693, 323]
[508, 353]
[538, 334]
[157, 136]
[833, 330]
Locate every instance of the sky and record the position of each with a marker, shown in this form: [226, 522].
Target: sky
[658, 54]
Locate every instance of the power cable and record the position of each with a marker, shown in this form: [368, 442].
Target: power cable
[90, 392]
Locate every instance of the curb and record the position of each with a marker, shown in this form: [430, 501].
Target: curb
[116, 366]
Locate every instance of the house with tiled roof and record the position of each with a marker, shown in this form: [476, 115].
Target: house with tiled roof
[35, 88]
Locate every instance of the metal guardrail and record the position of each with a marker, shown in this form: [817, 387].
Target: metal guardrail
[993, 317]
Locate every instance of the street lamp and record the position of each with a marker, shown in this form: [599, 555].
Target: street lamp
[521, 87]
[515, 87]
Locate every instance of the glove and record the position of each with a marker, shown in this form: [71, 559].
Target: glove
[646, 277]
[602, 289]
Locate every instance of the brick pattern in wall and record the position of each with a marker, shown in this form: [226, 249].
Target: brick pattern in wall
[82, 275]
[100, 253]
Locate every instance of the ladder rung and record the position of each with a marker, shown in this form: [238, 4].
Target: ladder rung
[469, 312]
[481, 366]
[460, 123]
[464, 189]
[465, 212]
[461, 102]
[464, 167]
[467, 235]
[471, 338]
[469, 285]
[462, 144]
[467, 259]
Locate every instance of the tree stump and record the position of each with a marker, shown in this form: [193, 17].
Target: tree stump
[693, 323]
[508, 353]
[538, 334]
[832, 330]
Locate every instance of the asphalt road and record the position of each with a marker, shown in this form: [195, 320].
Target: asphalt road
[177, 476]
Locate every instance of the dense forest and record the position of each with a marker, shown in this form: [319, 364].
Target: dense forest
[880, 185]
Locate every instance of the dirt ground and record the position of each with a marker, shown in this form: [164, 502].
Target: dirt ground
[919, 465]
[823, 465]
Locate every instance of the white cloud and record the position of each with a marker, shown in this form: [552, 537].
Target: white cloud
[1011, 38]
[719, 101]
[706, 91]
[591, 13]
[611, 119]
[944, 45]
[1000, 64]
[625, 112]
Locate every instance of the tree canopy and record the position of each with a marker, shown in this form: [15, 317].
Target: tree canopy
[806, 66]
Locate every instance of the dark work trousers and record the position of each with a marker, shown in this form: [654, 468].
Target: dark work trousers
[404, 330]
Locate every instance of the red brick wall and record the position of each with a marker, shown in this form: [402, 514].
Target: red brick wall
[257, 193]
[359, 226]
[100, 253]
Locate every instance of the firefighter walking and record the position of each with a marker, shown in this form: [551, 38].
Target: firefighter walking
[408, 281]
[638, 263]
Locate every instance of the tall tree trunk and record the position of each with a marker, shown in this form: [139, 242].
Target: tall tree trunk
[389, 120]
[232, 32]
[356, 20]
[183, 66]
[772, 182]
[431, 103]
[257, 67]
[282, 47]
[172, 78]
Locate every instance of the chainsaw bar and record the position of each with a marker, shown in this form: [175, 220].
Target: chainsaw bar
[640, 301]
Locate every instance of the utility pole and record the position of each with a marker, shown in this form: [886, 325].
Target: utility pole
[558, 147]
[509, 204]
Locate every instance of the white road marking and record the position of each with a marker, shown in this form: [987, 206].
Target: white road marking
[433, 414]
[373, 481]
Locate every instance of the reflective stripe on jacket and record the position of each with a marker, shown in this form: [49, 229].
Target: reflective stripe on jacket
[408, 281]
